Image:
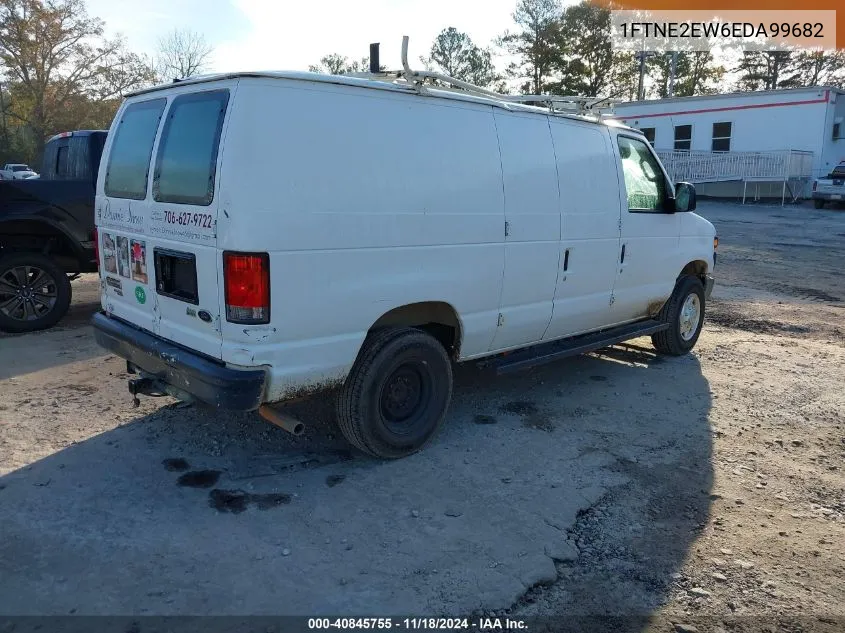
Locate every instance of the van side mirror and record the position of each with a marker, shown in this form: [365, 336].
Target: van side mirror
[684, 197]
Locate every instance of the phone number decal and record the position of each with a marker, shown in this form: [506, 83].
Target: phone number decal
[186, 218]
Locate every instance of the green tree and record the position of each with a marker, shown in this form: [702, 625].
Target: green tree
[454, 53]
[336, 64]
[534, 43]
[821, 68]
[585, 60]
[768, 70]
[696, 73]
[53, 56]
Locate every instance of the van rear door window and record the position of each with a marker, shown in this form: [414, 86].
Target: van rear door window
[187, 154]
[129, 159]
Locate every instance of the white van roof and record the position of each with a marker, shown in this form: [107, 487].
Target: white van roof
[377, 84]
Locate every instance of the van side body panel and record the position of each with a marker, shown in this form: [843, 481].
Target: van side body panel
[366, 201]
[589, 204]
[532, 244]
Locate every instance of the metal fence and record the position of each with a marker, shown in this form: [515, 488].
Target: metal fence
[702, 166]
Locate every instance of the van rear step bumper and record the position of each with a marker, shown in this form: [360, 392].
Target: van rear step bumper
[187, 372]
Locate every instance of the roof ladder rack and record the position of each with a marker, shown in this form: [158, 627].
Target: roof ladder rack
[556, 104]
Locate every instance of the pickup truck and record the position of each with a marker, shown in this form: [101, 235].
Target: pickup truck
[831, 188]
[17, 171]
[47, 234]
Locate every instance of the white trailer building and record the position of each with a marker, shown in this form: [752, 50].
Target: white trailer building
[763, 143]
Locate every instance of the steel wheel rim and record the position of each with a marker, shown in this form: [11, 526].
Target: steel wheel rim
[27, 293]
[690, 316]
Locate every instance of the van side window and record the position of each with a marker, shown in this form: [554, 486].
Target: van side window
[129, 159]
[644, 181]
[187, 154]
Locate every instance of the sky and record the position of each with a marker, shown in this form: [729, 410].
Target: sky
[292, 34]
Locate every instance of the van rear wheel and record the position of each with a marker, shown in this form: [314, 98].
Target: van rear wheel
[396, 396]
[684, 312]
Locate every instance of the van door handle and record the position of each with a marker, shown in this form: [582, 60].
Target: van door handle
[622, 258]
[566, 260]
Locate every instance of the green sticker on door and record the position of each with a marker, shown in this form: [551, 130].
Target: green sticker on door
[140, 295]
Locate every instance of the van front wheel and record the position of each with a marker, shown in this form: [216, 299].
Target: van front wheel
[684, 312]
[396, 396]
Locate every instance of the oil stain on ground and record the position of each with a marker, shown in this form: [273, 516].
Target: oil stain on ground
[532, 417]
[175, 464]
[236, 501]
[519, 407]
[333, 480]
[199, 478]
[485, 419]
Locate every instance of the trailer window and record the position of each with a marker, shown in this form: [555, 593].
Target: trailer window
[722, 137]
[187, 154]
[649, 133]
[683, 137]
[129, 160]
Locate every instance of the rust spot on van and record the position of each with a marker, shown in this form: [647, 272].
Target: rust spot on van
[289, 396]
[654, 307]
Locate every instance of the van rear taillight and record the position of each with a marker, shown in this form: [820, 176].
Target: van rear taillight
[247, 285]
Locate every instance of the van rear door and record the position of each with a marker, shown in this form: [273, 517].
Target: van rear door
[158, 216]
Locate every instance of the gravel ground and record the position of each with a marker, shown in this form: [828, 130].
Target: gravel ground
[698, 493]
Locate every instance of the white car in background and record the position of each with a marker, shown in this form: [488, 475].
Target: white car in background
[17, 171]
[831, 188]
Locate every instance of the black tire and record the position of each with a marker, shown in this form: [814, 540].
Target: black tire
[371, 412]
[675, 340]
[819, 204]
[45, 292]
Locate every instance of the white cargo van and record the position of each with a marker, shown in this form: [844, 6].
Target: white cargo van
[264, 236]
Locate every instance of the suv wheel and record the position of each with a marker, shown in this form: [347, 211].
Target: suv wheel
[34, 292]
[684, 312]
[396, 396]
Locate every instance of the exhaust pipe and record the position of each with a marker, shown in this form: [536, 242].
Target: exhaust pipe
[286, 422]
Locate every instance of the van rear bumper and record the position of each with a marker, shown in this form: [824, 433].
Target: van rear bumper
[202, 378]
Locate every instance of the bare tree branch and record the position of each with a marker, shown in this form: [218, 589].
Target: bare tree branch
[182, 53]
